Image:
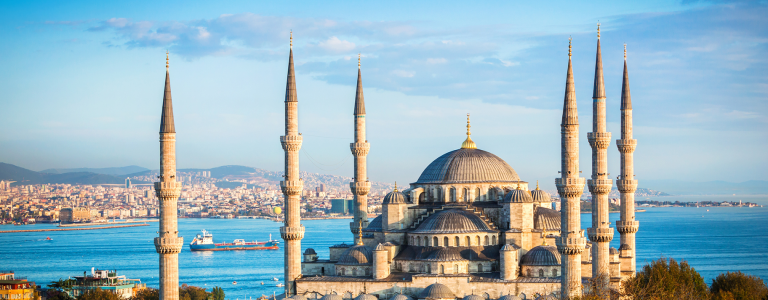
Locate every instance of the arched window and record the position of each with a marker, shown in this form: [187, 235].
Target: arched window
[493, 240]
[486, 240]
[541, 272]
[455, 269]
[458, 241]
[442, 269]
[367, 272]
[434, 241]
[453, 194]
[554, 272]
[479, 268]
[477, 194]
[529, 273]
[421, 198]
[477, 240]
[469, 241]
[429, 268]
[445, 241]
[418, 241]
[343, 272]
[355, 272]
[411, 268]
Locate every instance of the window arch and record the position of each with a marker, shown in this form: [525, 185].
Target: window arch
[455, 269]
[418, 241]
[367, 272]
[477, 240]
[429, 268]
[528, 273]
[445, 241]
[541, 272]
[458, 241]
[435, 241]
[442, 269]
[411, 268]
[477, 194]
[493, 240]
[480, 268]
[421, 198]
[453, 194]
[554, 272]
[465, 195]
[469, 241]
[343, 272]
[486, 240]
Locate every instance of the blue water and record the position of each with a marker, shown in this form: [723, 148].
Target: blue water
[714, 241]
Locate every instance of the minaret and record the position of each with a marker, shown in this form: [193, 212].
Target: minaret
[626, 183]
[599, 185]
[293, 231]
[360, 186]
[570, 186]
[169, 243]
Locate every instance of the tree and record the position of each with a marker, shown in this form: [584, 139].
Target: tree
[98, 294]
[188, 292]
[217, 293]
[146, 294]
[738, 286]
[666, 280]
[53, 294]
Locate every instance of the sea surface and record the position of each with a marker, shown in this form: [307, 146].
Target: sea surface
[713, 240]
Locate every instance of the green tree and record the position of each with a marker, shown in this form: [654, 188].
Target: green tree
[98, 294]
[188, 292]
[146, 294]
[662, 279]
[738, 286]
[217, 293]
[53, 294]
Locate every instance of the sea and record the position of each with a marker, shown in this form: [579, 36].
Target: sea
[711, 239]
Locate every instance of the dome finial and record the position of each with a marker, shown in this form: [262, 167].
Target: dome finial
[395, 186]
[468, 143]
[537, 185]
[360, 233]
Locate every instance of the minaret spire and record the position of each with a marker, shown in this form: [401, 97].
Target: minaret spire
[627, 225]
[599, 139]
[570, 186]
[292, 231]
[360, 147]
[169, 243]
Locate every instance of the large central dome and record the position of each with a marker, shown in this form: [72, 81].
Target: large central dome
[468, 166]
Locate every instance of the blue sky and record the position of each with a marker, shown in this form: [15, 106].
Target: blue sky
[82, 83]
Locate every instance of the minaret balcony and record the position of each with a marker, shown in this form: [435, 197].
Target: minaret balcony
[626, 185]
[360, 188]
[600, 235]
[168, 189]
[292, 233]
[570, 187]
[626, 145]
[360, 149]
[627, 226]
[292, 187]
[600, 186]
[571, 244]
[169, 245]
[599, 140]
[291, 142]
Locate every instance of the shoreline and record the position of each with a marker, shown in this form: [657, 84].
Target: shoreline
[70, 229]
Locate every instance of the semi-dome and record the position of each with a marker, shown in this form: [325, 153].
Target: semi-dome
[453, 221]
[518, 196]
[468, 166]
[541, 256]
[357, 255]
[546, 219]
[366, 297]
[331, 297]
[394, 197]
[445, 254]
[473, 297]
[401, 297]
[437, 291]
[374, 225]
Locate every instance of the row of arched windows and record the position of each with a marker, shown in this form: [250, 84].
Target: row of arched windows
[456, 241]
[542, 272]
[354, 271]
[465, 194]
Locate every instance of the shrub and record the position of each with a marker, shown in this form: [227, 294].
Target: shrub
[738, 286]
[666, 280]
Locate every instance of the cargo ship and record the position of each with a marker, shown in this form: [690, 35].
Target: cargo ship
[204, 242]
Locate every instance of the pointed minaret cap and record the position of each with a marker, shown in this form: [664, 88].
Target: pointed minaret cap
[359, 98]
[468, 143]
[626, 98]
[166, 121]
[290, 86]
[599, 89]
[570, 113]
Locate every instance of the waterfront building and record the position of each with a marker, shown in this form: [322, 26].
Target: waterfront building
[74, 214]
[470, 226]
[17, 288]
[340, 206]
[106, 280]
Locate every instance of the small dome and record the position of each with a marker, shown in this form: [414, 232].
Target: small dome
[510, 297]
[331, 297]
[625, 247]
[401, 297]
[394, 197]
[473, 297]
[298, 297]
[453, 221]
[540, 196]
[374, 225]
[508, 247]
[309, 251]
[541, 256]
[357, 255]
[379, 247]
[366, 297]
[445, 254]
[613, 250]
[437, 291]
[518, 196]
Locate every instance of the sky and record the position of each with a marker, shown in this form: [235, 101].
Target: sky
[82, 81]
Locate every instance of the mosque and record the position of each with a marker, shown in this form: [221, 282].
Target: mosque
[470, 227]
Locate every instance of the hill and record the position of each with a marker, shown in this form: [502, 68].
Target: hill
[25, 176]
[117, 171]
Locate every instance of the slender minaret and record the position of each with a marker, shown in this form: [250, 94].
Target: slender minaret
[601, 233]
[360, 186]
[626, 183]
[570, 186]
[169, 243]
[293, 231]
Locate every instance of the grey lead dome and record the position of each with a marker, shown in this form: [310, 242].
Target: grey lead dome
[453, 221]
[466, 166]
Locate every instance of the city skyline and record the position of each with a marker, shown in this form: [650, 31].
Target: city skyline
[422, 75]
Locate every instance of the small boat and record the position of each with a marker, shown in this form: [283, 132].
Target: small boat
[280, 285]
[204, 242]
[234, 282]
[48, 238]
[262, 283]
[275, 279]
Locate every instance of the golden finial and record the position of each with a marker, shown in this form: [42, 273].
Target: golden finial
[166, 60]
[569, 47]
[291, 39]
[395, 186]
[598, 29]
[360, 233]
[625, 51]
[468, 143]
[537, 185]
[358, 60]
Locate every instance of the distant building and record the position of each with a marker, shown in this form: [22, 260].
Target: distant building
[105, 280]
[340, 206]
[15, 288]
[127, 183]
[74, 214]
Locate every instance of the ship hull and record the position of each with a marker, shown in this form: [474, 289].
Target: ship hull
[224, 247]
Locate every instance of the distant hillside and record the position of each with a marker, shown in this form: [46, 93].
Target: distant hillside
[24, 176]
[117, 171]
[752, 187]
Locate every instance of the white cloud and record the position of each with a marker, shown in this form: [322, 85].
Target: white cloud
[335, 45]
[402, 73]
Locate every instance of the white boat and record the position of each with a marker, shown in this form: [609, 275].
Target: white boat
[275, 279]
[280, 285]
